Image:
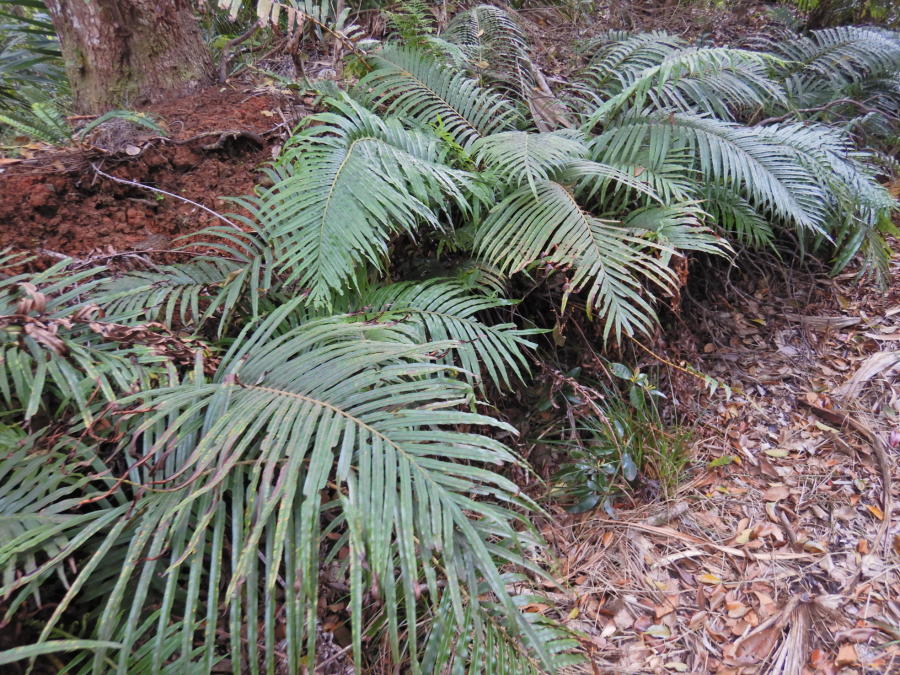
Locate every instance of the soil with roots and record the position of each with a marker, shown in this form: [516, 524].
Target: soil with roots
[59, 202]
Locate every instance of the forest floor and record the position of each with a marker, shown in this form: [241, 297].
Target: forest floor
[779, 551]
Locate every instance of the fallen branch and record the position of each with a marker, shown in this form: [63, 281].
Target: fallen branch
[691, 539]
[226, 50]
[133, 183]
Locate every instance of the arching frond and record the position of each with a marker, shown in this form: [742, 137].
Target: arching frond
[495, 46]
[57, 359]
[755, 163]
[445, 309]
[520, 157]
[547, 224]
[617, 58]
[846, 73]
[737, 217]
[343, 187]
[712, 80]
[246, 457]
[664, 179]
[194, 292]
[844, 53]
[411, 84]
[677, 227]
[38, 493]
[484, 647]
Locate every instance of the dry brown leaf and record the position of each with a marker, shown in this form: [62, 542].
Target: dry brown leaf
[874, 365]
[710, 579]
[875, 511]
[776, 493]
[846, 656]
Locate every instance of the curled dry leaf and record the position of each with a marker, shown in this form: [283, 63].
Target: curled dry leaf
[710, 579]
[846, 656]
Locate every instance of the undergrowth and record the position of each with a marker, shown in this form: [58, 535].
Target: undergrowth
[197, 456]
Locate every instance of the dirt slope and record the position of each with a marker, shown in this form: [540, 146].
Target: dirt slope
[217, 140]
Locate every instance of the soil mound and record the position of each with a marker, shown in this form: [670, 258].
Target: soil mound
[217, 140]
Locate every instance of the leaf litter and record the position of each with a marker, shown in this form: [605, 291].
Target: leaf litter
[780, 552]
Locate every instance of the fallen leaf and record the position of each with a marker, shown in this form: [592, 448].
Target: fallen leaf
[710, 579]
[815, 547]
[846, 656]
[743, 536]
[658, 630]
[752, 649]
[776, 493]
[535, 607]
[875, 511]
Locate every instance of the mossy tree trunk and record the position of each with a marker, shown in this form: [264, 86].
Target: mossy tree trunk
[126, 53]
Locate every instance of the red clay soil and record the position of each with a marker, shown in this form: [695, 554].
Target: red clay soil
[57, 202]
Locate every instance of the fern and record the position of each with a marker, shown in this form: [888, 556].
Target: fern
[372, 411]
[42, 120]
[547, 224]
[495, 47]
[412, 85]
[343, 187]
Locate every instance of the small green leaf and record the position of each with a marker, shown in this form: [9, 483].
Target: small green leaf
[724, 460]
[621, 370]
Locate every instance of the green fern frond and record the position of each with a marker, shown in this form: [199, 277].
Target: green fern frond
[343, 187]
[610, 263]
[55, 358]
[444, 309]
[495, 46]
[713, 80]
[411, 84]
[846, 53]
[41, 121]
[192, 293]
[760, 165]
[358, 406]
[520, 157]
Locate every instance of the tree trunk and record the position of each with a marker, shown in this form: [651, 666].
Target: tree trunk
[126, 53]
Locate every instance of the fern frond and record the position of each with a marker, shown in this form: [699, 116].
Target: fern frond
[59, 360]
[411, 84]
[844, 53]
[759, 165]
[444, 309]
[343, 187]
[547, 225]
[520, 157]
[617, 58]
[495, 46]
[713, 80]
[287, 413]
[41, 121]
[190, 294]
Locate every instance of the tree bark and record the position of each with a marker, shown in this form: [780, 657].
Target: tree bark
[127, 53]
